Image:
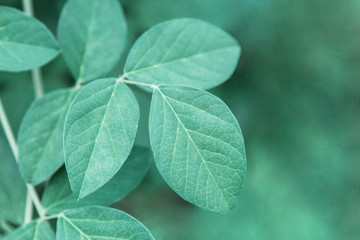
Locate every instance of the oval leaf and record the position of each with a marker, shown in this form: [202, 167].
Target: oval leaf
[58, 197]
[183, 51]
[25, 43]
[92, 35]
[94, 223]
[100, 129]
[40, 140]
[36, 230]
[12, 187]
[198, 146]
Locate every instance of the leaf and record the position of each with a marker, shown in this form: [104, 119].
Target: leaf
[35, 230]
[183, 51]
[100, 129]
[12, 187]
[92, 35]
[58, 196]
[198, 146]
[95, 222]
[25, 43]
[40, 136]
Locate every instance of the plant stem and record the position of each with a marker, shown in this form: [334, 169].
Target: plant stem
[49, 217]
[11, 139]
[36, 72]
[8, 131]
[5, 226]
[37, 82]
[28, 7]
[28, 209]
[122, 79]
[35, 199]
[39, 91]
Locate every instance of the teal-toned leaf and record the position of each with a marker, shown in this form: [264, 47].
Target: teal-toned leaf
[100, 129]
[58, 196]
[198, 146]
[36, 230]
[40, 137]
[12, 187]
[92, 35]
[25, 43]
[95, 223]
[183, 51]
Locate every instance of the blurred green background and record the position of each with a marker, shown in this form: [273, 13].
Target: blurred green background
[296, 94]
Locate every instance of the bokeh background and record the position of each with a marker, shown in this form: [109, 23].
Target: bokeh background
[296, 94]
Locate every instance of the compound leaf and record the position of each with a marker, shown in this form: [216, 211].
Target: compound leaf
[95, 223]
[183, 51]
[58, 196]
[92, 35]
[100, 129]
[25, 43]
[198, 146]
[35, 230]
[12, 187]
[40, 140]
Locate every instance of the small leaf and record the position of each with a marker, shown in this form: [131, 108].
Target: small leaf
[183, 51]
[92, 35]
[100, 129]
[35, 230]
[198, 146]
[94, 223]
[25, 43]
[58, 196]
[12, 186]
[40, 136]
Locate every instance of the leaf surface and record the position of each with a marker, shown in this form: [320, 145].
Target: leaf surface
[95, 223]
[100, 129]
[40, 140]
[198, 146]
[58, 196]
[12, 186]
[25, 43]
[183, 51]
[92, 35]
[35, 230]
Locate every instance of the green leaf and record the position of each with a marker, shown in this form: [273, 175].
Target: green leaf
[100, 129]
[40, 136]
[92, 35]
[36, 230]
[58, 196]
[198, 146]
[95, 223]
[25, 43]
[183, 51]
[12, 187]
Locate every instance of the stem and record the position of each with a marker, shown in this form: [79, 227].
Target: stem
[8, 131]
[10, 136]
[39, 91]
[28, 209]
[36, 72]
[45, 218]
[6, 226]
[122, 79]
[77, 85]
[35, 199]
[28, 7]
[37, 82]
[11, 139]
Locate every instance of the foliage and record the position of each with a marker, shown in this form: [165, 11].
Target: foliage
[20, 48]
[92, 125]
[295, 93]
